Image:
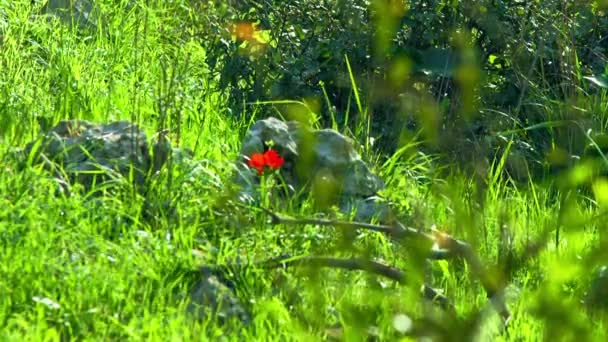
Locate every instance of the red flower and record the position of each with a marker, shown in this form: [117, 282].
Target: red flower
[257, 161]
[269, 158]
[273, 159]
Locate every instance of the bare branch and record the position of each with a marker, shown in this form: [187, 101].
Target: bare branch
[444, 246]
[358, 264]
[397, 231]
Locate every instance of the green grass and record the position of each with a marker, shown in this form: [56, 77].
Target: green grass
[120, 265]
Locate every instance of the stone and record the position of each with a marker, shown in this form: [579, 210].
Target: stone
[597, 296]
[212, 299]
[81, 13]
[365, 209]
[315, 160]
[90, 153]
[282, 134]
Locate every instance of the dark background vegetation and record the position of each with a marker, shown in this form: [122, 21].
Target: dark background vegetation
[471, 76]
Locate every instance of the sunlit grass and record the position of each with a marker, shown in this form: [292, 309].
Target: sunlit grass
[105, 268]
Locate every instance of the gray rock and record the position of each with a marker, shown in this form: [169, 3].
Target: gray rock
[90, 153]
[81, 13]
[597, 297]
[284, 136]
[367, 208]
[213, 299]
[323, 157]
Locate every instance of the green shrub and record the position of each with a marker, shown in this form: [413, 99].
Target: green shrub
[462, 72]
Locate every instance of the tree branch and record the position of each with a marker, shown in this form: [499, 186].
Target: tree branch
[443, 246]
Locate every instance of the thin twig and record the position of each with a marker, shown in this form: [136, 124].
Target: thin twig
[358, 264]
[397, 231]
[355, 264]
[448, 247]
[495, 291]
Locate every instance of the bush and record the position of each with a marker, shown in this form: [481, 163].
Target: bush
[460, 72]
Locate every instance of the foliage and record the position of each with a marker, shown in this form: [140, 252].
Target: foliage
[465, 72]
[496, 85]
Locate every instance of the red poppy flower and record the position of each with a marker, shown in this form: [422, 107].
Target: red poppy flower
[273, 159]
[269, 158]
[257, 161]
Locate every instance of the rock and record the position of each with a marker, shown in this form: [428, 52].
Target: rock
[367, 208]
[92, 153]
[323, 160]
[81, 13]
[211, 298]
[597, 297]
[282, 134]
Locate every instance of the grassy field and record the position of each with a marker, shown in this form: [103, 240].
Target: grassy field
[120, 266]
